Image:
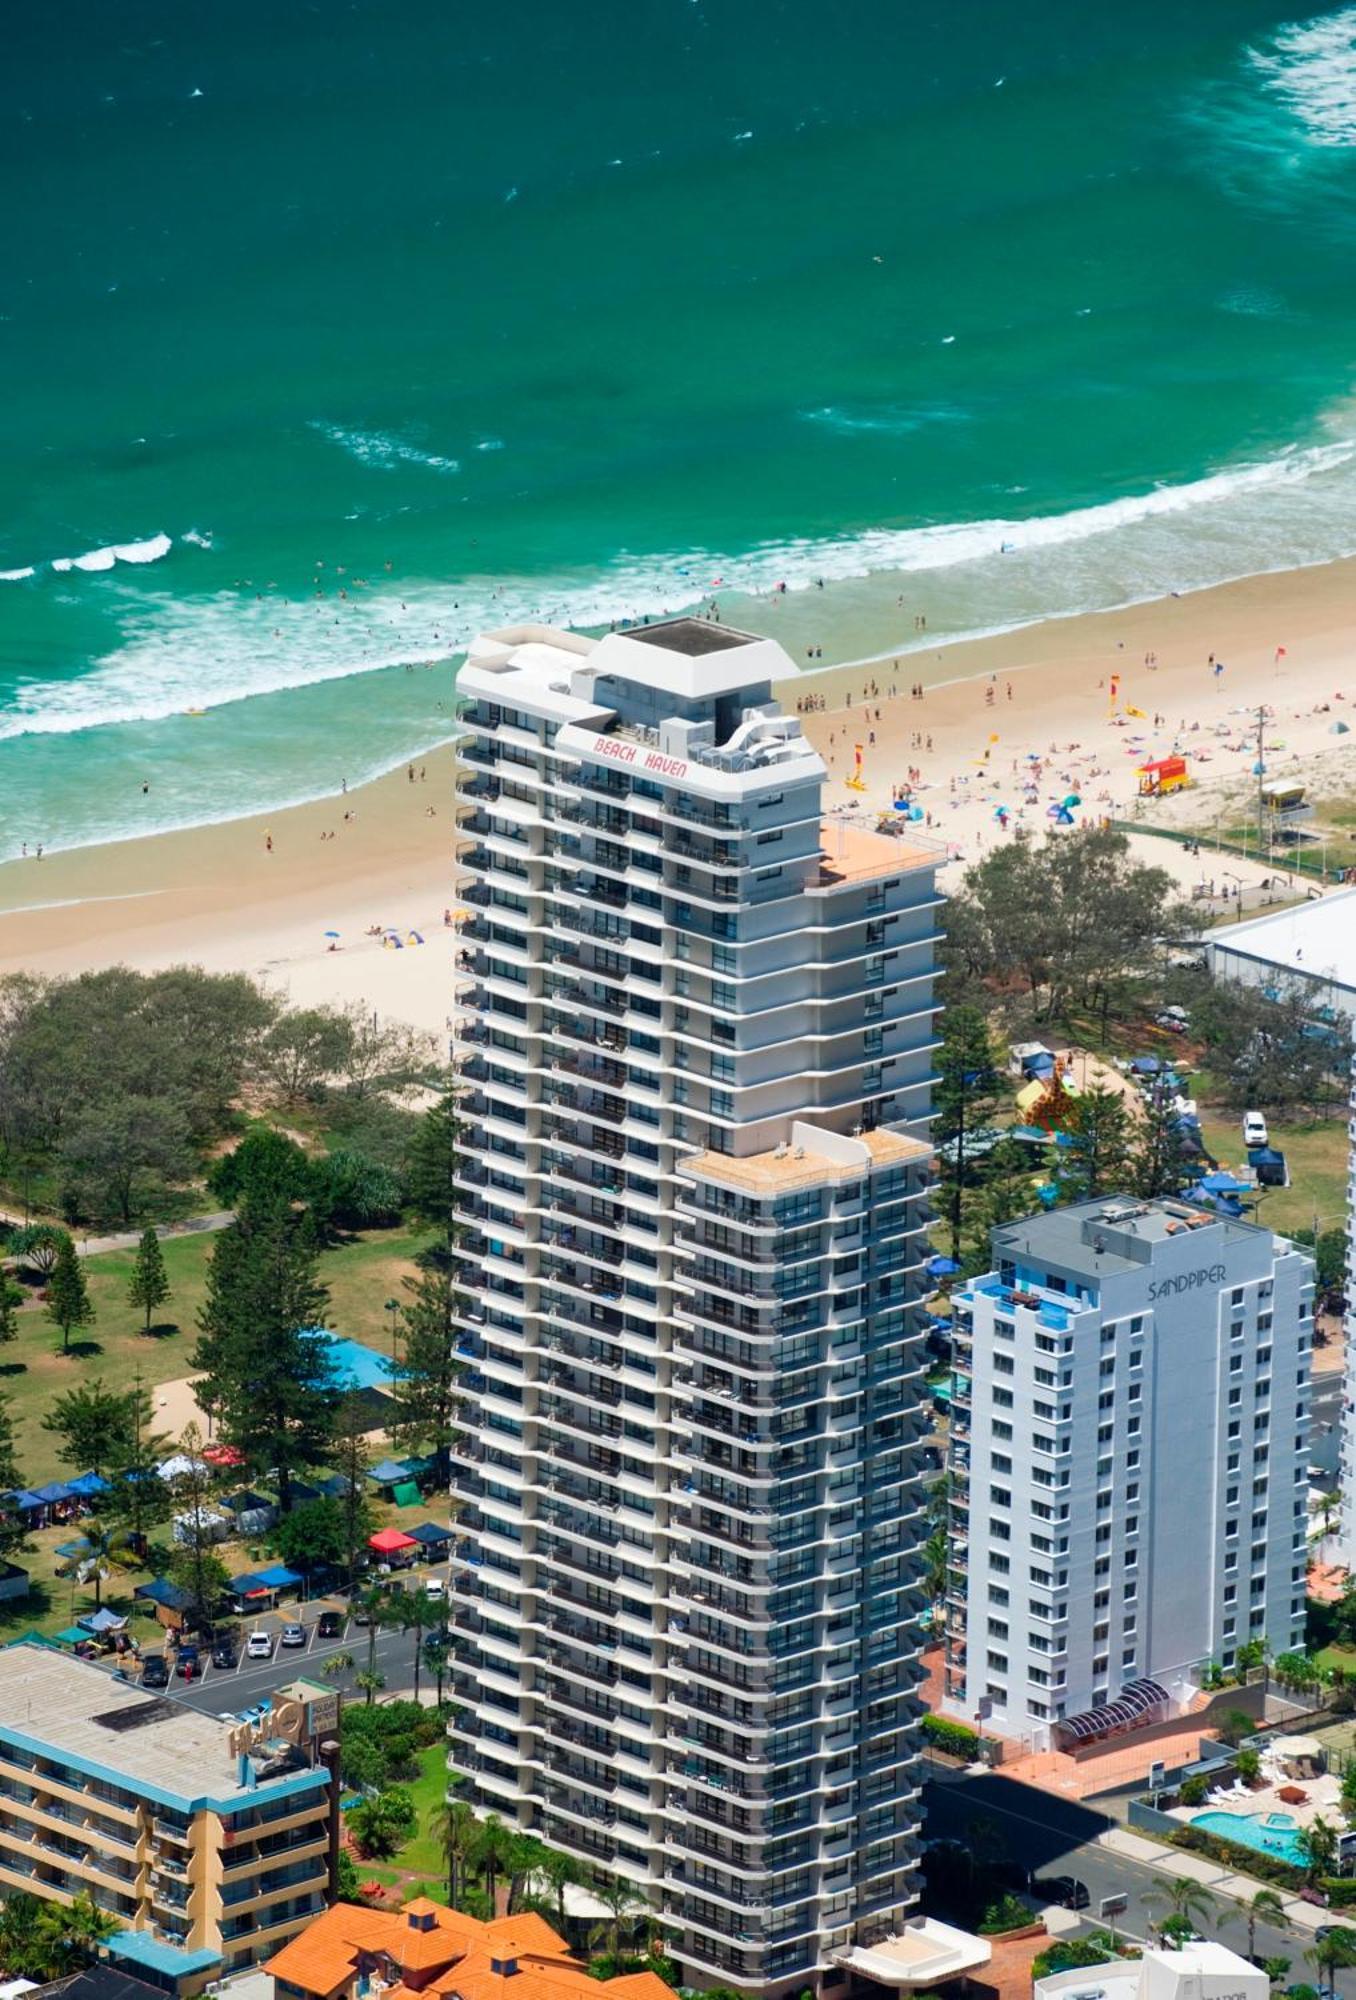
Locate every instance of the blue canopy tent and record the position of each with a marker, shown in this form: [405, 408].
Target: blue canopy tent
[941, 1267]
[277, 1577]
[390, 1472]
[1269, 1166]
[1224, 1183]
[1145, 1066]
[431, 1535]
[160, 1591]
[53, 1494]
[1037, 1066]
[87, 1484]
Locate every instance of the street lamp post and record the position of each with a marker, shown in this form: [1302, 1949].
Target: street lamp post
[393, 1308]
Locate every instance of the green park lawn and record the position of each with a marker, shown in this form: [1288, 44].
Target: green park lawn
[419, 1863]
[1316, 1155]
[361, 1275]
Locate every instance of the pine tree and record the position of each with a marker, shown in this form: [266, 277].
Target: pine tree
[351, 1458]
[1160, 1163]
[68, 1301]
[137, 1497]
[432, 1170]
[13, 1529]
[268, 1384]
[425, 1386]
[964, 1097]
[148, 1286]
[1099, 1126]
[11, 1298]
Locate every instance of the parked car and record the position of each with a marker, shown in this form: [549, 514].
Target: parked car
[1175, 1019]
[293, 1635]
[259, 1646]
[188, 1666]
[1254, 1130]
[329, 1625]
[1064, 1891]
[154, 1671]
[224, 1654]
[435, 1587]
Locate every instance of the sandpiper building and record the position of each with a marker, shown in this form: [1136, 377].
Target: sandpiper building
[695, 1027]
[1129, 1444]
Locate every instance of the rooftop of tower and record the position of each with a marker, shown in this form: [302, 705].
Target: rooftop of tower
[857, 853]
[1118, 1233]
[812, 1157]
[693, 636]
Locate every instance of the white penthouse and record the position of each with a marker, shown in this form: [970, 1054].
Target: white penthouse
[1128, 1464]
[695, 1028]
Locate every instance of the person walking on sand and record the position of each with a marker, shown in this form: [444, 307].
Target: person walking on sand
[268, 842]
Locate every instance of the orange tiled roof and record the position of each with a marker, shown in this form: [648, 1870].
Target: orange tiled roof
[322, 1958]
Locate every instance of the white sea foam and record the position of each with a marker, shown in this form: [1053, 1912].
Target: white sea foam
[383, 451]
[15, 575]
[148, 551]
[202, 653]
[1310, 68]
[95, 560]
[200, 539]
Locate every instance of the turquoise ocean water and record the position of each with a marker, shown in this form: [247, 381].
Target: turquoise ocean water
[471, 313]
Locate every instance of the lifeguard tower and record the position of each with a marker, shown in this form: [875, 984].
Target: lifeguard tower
[1164, 775]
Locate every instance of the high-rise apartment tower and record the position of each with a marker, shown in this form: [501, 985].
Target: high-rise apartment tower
[695, 1027]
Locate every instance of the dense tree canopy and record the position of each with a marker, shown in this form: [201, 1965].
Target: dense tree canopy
[1069, 922]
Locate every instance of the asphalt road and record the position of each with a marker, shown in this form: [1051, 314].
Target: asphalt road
[1050, 1836]
[222, 1690]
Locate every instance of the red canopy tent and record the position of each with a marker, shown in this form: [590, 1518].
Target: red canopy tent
[390, 1541]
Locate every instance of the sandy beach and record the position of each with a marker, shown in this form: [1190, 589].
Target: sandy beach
[1019, 723]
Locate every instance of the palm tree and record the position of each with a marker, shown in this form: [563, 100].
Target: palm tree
[338, 1663]
[1332, 1954]
[493, 1848]
[376, 1608]
[1266, 1906]
[98, 1552]
[418, 1614]
[457, 1831]
[371, 1684]
[1183, 1899]
[524, 1860]
[562, 1872]
[436, 1655]
[624, 1904]
[1319, 1842]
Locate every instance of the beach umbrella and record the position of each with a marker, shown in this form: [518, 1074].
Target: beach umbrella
[941, 1267]
[1338, 729]
[1073, 799]
[331, 934]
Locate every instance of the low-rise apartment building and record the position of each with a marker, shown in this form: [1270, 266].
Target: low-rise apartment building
[207, 1860]
[1128, 1496]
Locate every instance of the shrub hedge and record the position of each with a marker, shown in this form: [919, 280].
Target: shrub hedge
[952, 1737]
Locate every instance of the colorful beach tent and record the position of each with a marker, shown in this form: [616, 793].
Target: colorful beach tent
[389, 1471]
[390, 1541]
[431, 1535]
[102, 1620]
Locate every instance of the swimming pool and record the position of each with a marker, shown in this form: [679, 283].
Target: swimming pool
[1267, 1833]
[354, 1366]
